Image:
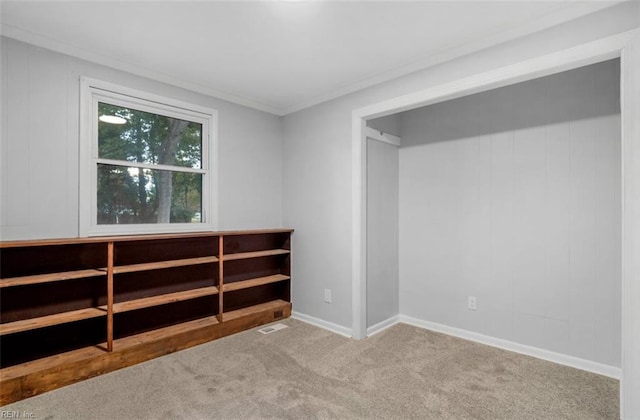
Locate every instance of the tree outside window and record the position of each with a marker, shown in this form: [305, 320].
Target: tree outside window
[129, 193]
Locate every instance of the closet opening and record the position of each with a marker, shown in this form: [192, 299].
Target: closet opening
[547, 182]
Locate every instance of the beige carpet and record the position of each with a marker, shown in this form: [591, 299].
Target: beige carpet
[304, 372]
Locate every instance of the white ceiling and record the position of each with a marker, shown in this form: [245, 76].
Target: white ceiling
[277, 56]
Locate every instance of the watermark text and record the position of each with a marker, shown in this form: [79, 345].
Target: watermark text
[16, 414]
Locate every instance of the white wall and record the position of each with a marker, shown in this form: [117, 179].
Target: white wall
[39, 146]
[382, 232]
[317, 158]
[513, 196]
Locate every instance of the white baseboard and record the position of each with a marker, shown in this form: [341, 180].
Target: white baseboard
[338, 329]
[380, 326]
[562, 359]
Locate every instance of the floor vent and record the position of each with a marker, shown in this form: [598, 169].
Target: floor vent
[272, 328]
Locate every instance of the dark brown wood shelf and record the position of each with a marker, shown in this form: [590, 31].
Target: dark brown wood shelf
[132, 305]
[50, 277]
[49, 320]
[159, 265]
[258, 281]
[255, 254]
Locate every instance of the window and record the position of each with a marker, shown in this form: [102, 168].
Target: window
[146, 163]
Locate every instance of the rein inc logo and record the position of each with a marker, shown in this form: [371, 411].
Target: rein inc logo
[16, 414]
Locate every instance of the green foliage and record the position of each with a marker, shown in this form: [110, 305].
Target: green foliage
[129, 194]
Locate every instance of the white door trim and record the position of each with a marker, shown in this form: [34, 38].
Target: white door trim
[630, 109]
[579, 56]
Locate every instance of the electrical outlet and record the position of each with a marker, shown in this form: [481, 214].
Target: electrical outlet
[327, 295]
[471, 304]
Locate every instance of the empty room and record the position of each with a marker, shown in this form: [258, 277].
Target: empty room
[320, 209]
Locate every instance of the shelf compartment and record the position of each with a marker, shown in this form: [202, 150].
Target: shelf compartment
[259, 281]
[50, 277]
[27, 261]
[159, 265]
[254, 296]
[147, 302]
[143, 320]
[149, 250]
[255, 254]
[163, 333]
[251, 242]
[50, 320]
[31, 345]
[41, 300]
[275, 305]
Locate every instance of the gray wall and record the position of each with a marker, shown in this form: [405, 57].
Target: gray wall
[318, 164]
[317, 203]
[513, 196]
[39, 146]
[382, 232]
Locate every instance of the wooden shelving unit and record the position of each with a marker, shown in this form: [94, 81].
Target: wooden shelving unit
[88, 306]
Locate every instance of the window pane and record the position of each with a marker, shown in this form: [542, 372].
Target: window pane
[128, 195]
[138, 136]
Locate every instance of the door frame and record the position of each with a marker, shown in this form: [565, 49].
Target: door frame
[579, 56]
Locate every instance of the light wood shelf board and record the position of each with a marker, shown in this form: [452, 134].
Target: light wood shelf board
[258, 281]
[50, 320]
[159, 265]
[147, 302]
[50, 277]
[255, 254]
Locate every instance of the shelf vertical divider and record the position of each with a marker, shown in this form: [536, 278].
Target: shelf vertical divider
[110, 296]
[220, 277]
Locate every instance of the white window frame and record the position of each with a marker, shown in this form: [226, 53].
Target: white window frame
[93, 91]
